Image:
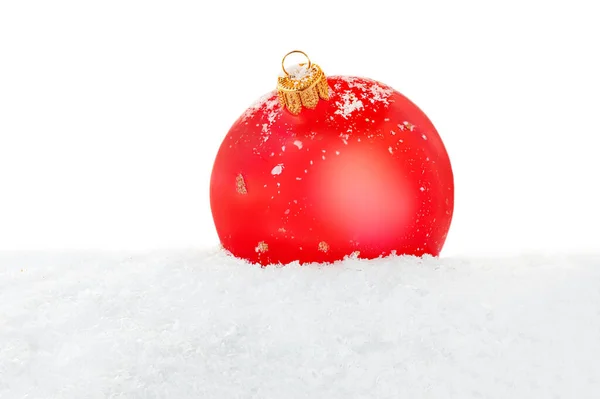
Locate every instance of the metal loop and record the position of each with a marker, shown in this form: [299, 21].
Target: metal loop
[292, 52]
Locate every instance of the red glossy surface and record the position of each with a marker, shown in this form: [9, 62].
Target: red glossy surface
[365, 171]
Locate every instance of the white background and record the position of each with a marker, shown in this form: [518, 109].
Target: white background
[111, 112]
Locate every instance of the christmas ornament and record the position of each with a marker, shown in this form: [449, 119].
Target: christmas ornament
[327, 167]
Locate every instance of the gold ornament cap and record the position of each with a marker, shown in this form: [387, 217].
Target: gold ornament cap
[302, 85]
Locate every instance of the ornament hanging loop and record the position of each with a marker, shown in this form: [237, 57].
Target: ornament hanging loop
[295, 52]
[303, 88]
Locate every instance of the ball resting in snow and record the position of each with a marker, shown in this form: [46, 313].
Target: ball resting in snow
[364, 172]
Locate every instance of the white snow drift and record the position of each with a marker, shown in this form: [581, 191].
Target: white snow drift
[203, 325]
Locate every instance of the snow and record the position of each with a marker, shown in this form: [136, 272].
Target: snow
[139, 111]
[199, 324]
[277, 169]
[272, 108]
[298, 72]
[372, 91]
[350, 104]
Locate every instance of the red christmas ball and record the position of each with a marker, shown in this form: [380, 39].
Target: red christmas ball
[363, 173]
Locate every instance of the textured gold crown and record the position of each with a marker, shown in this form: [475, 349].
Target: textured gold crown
[303, 87]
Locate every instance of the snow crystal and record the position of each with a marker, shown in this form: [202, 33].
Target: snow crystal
[354, 83]
[379, 93]
[298, 72]
[272, 108]
[257, 105]
[277, 169]
[372, 91]
[350, 104]
[271, 103]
